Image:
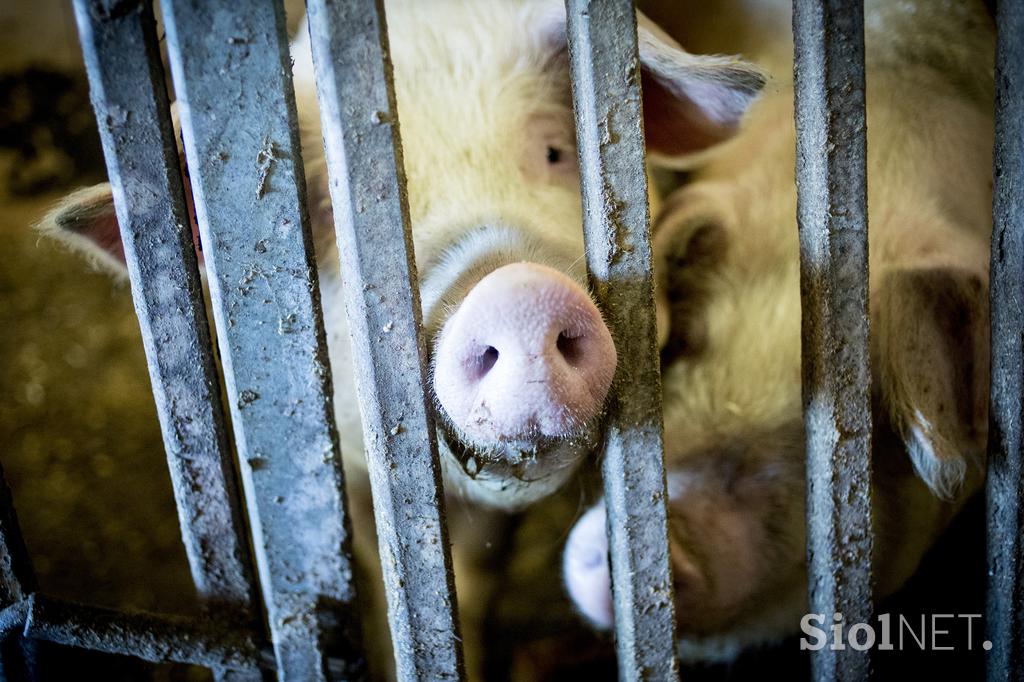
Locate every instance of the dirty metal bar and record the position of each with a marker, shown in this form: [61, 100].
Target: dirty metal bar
[832, 217]
[1005, 479]
[367, 180]
[606, 94]
[232, 73]
[151, 637]
[17, 581]
[13, 617]
[126, 76]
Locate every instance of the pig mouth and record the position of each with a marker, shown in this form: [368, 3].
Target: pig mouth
[518, 472]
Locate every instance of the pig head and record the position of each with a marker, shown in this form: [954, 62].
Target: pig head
[729, 276]
[521, 359]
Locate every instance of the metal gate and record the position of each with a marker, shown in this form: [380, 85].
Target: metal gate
[230, 67]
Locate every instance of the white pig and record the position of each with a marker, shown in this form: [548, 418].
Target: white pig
[727, 245]
[521, 358]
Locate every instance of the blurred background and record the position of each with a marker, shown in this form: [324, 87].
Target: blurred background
[81, 448]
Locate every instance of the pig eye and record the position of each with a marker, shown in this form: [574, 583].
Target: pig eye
[559, 161]
[549, 156]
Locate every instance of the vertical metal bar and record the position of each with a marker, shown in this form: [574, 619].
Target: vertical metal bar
[832, 216]
[17, 579]
[1005, 478]
[17, 582]
[361, 137]
[126, 78]
[232, 73]
[606, 95]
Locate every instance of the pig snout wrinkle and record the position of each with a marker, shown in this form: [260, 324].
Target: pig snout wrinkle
[586, 571]
[525, 356]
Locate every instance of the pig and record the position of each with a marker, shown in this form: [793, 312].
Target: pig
[727, 261]
[521, 360]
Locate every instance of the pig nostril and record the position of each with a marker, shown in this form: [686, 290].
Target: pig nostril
[485, 361]
[569, 347]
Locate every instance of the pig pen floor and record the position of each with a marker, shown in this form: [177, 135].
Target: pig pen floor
[81, 448]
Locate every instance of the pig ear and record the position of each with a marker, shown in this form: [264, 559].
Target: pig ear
[683, 271]
[691, 242]
[691, 102]
[931, 360]
[86, 221]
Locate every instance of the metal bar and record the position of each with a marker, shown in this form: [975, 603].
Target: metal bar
[232, 73]
[603, 49]
[362, 142]
[126, 77]
[832, 217]
[151, 637]
[1005, 478]
[17, 581]
[13, 617]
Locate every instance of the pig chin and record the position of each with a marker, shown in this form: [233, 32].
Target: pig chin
[511, 475]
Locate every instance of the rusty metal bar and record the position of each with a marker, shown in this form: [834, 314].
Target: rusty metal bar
[17, 581]
[1005, 478]
[367, 181]
[232, 74]
[606, 95]
[126, 77]
[832, 216]
[150, 637]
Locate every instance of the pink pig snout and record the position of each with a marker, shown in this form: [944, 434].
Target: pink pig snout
[585, 567]
[526, 355]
